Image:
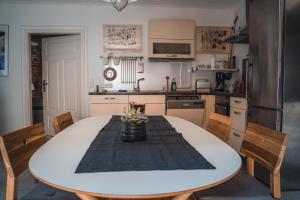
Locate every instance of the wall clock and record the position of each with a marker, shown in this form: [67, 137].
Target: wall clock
[110, 74]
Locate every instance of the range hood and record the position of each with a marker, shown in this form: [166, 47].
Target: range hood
[241, 37]
[171, 40]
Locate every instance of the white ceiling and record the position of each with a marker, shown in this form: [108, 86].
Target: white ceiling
[222, 4]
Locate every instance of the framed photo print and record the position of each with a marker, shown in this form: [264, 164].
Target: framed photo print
[210, 40]
[3, 50]
[122, 38]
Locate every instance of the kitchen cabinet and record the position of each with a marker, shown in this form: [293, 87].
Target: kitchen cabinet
[108, 104]
[236, 139]
[154, 104]
[238, 115]
[209, 108]
[171, 39]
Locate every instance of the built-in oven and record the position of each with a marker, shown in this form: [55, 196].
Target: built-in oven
[222, 105]
[188, 107]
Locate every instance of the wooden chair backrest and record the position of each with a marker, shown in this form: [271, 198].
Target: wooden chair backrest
[220, 126]
[17, 147]
[265, 146]
[62, 121]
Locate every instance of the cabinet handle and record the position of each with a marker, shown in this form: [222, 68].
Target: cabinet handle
[237, 101]
[172, 56]
[237, 113]
[237, 135]
[112, 98]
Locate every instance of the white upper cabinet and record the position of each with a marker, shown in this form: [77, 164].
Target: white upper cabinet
[171, 39]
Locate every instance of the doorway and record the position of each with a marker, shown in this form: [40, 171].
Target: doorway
[55, 77]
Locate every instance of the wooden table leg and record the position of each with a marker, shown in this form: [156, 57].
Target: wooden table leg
[182, 196]
[86, 197]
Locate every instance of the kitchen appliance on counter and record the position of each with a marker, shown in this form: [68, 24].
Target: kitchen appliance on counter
[222, 105]
[188, 107]
[202, 85]
[220, 82]
[273, 80]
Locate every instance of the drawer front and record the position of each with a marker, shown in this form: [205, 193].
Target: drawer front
[239, 119]
[240, 103]
[155, 109]
[144, 99]
[110, 99]
[236, 139]
[108, 109]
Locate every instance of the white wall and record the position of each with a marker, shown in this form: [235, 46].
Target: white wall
[91, 18]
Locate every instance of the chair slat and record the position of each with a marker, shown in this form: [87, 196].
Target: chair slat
[62, 121]
[266, 147]
[220, 126]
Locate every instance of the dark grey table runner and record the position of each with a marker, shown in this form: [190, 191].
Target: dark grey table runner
[164, 149]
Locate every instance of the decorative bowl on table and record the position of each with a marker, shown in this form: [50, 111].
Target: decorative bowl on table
[133, 125]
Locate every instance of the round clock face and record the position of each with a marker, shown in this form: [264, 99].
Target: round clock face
[110, 74]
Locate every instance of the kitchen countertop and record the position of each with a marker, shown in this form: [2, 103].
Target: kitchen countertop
[157, 92]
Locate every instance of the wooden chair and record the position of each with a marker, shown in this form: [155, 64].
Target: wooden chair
[17, 148]
[220, 126]
[266, 147]
[62, 121]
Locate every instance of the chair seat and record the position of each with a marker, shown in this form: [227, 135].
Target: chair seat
[240, 187]
[45, 192]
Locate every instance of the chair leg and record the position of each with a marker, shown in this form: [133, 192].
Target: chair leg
[11, 188]
[250, 166]
[275, 186]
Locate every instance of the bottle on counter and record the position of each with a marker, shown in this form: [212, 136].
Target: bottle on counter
[173, 85]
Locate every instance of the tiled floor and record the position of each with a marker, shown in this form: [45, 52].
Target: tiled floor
[237, 188]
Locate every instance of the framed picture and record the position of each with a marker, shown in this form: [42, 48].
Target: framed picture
[3, 50]
[122, 38]
[210, 40]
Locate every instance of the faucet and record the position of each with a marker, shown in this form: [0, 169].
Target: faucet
[137, 88]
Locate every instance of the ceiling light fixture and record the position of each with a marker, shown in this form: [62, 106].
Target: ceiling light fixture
[120, 4]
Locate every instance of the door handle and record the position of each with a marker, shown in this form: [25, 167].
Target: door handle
[237, 113]
[44, 84]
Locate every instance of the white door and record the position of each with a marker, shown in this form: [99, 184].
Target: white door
[62, 90]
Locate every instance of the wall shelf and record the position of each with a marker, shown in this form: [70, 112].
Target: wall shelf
[217, 70]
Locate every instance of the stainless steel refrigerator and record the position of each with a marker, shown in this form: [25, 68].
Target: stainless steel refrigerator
[274, 78]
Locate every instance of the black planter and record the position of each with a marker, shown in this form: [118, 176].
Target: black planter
[133, 132]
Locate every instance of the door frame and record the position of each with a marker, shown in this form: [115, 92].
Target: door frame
[26, 31]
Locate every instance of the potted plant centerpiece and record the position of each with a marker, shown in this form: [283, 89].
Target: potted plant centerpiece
[133, 125]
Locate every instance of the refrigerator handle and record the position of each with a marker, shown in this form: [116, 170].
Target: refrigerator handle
[249, 79]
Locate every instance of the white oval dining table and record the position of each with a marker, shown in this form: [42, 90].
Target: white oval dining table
[56, 161]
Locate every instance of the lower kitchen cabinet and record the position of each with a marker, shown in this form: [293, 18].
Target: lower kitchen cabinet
[108, 109]
[155, 109]
[154, 104]
[236, 139]
[238, 115]
[108, 104]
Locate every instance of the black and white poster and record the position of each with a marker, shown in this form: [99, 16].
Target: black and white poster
[122, 38]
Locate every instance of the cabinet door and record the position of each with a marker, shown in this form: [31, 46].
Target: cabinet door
[144, 99]
[209, 108]
[239, 119]
[240, 103]
[155, 109]
[236, 139]
[108, 109]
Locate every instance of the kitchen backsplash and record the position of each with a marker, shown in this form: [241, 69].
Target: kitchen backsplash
[155, 72]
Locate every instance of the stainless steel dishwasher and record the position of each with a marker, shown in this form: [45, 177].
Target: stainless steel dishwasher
[188, 107]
